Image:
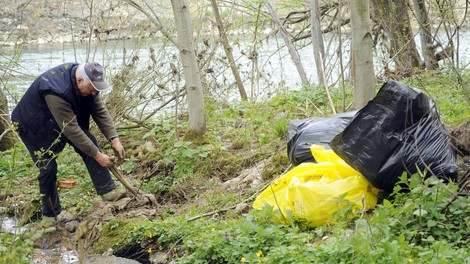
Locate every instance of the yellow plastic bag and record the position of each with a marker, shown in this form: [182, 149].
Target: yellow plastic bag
[313, 192]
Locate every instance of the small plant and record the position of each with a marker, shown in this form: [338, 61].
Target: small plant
[15, 249]
[183, 158]
[280, 127]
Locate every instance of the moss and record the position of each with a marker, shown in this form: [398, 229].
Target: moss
[115, 233]
[31, 212]
[194, 135]
[228, 165]
[278, 165]
[238, 144]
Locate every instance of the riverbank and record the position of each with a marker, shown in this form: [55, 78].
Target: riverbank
[42, 22]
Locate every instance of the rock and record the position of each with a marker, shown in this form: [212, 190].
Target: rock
[108, 260]
[48, 238]
[242, 208]
[56, 255]
[248, 177]
[22, 27]
[71, 226]
[158, 258]
[65, 217]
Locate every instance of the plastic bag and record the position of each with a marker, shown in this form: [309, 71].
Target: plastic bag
[398, 130]
[302, 134]
[312, 192]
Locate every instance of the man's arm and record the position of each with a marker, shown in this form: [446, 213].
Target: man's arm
[62, 112]
[104, 121]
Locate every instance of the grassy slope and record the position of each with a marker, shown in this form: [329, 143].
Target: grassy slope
[186, 179]
[379, 237]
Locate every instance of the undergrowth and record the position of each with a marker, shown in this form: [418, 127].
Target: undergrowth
[429, 224]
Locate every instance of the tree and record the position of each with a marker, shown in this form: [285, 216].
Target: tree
[6, 134]
[228, 51]
[317, 41]
[392, 16]
[290, 47]
[186, 47]
[185, 43]
[362, 66]
[425, 34]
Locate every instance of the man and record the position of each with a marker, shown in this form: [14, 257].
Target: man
[56, 110]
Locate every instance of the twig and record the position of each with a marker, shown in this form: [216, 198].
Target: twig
[173, 246]
[5, 132]
[316, 107]
[121, 178]
[332, 105]
[455, 197]
[277, 204]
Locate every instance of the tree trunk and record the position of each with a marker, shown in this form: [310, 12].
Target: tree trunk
[317, 41]
[361, 58]
[228, 51]
[427, 46]
[197, 112]
[6, 135]
[392, 15]
[292, 51]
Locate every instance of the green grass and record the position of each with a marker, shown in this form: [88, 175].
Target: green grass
[452, 99]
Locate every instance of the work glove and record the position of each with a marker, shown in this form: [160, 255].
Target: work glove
[118, 149]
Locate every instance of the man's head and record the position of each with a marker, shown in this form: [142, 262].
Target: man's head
[90, 78]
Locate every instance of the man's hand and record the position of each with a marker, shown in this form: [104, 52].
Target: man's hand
[118, 149]
[104, 160]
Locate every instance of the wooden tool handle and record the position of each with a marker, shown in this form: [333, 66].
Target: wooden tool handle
[123, 180]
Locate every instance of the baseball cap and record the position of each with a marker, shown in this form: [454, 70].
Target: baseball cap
[94, 71]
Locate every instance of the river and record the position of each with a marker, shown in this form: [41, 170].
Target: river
[271, 73]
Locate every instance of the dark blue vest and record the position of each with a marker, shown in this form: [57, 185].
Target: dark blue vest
[35, 122]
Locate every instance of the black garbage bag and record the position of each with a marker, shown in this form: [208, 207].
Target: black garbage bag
[302, 134]
[398, 130]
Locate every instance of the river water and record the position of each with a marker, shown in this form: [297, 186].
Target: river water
[273, 62]
[271, 73]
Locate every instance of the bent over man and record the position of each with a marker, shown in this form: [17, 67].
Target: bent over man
[56, 110]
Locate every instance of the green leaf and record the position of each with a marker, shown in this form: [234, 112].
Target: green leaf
[420, 212]
[188, 153]
[387, 204]
[431, 223]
